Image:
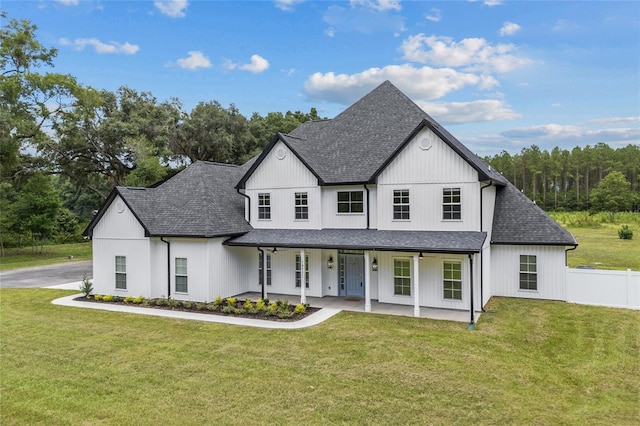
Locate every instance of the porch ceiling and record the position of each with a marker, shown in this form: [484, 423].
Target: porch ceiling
[364, 239]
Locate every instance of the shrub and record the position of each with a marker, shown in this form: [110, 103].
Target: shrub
[300, 308]
[231, 301]
[212, 307]
[129, 299]
[138, 300]
[260, 305]
[173, 303]
[161, 302]
[187, 305]
[97, 297]
[86, 287]
[117, 299]
[271, 310]
[201, 306]
[217, 301]
[285, 314]
[229, 309]
[107, 298]
[248, 304]
[624, 233]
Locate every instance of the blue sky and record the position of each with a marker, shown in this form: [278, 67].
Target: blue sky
[500, 75]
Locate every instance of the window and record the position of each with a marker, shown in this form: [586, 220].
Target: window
[401, 277]
[181, 275]
[306, 270]
[451, 207]
[260, 265]
[302, 208]
[401, 204]
[452, 280]
[528, 272]
[264, 206]
[350, 202]
[121, 272]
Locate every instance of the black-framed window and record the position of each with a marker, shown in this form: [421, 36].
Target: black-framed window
[121, 272]
[350, 202]
[528, 272]
[302, 206]
[402, 277]
[452, 280]
[260, 267]
[401, 204]
[182, 284]
[451, 204]
[299, 270]
[264, 206]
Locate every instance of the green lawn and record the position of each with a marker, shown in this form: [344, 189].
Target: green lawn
[59, 253]
[527, 362]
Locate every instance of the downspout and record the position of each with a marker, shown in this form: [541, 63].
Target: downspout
[565, 253]
[482, 251]
[168, 266]
[264, 271]
[471, 324]
[367, 189]
[249, 207]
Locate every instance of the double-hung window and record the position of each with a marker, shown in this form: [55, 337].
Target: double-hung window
[350, 202]
[181, 275]
[121, 272]
[451, 204]
[402, 277]
[264, 206]
[299, 270]
[302, 206]
[401, 204]
[452, 280]
[261, 270]
[528, 272]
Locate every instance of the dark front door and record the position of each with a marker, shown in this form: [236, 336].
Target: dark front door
[354, 274]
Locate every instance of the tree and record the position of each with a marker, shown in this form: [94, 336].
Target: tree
[613, 194]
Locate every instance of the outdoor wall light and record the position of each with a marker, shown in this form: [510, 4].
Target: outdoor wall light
[330, 262]
[420, 256]
[374, 264]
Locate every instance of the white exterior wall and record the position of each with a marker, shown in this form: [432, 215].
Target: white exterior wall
[283, 272]
[332, 219]
[158, 269]
[232, 270]
[195, 250]
[505, 271]
[330, 276]
[425, 172]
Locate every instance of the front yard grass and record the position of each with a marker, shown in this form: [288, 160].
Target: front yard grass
[526, 362]
[55, 253]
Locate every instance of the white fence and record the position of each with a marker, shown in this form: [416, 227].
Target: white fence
[618, 289]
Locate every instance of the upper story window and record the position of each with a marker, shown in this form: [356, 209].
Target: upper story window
[401, 204]
[528, 272]
[302, 206]
[181, 275]
[350, 202]
[264, 206]
[452, 280]
[451, 205]
[121, 272]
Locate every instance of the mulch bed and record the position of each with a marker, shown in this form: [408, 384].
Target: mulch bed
[201, 308]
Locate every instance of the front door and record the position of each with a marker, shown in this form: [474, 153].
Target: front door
[354, 274]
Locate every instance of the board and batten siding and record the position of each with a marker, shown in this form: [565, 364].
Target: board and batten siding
[505, 271]
[230, 269]
[196, 251]
[118, 222]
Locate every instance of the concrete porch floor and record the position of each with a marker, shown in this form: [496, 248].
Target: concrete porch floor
[376, 307]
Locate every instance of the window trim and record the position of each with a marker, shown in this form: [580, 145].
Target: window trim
[529, 273]
[298, 272]
[402, 204]
[301, 210]
[260, 264]
[177, 275]
[451, 204]
[350, 202]
[452, 280]
[402, 277]
[264, 206]
[121, 273]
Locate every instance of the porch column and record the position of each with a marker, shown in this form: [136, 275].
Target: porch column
[264, 274]
[416, 286]
[303, 278]
[367, 283]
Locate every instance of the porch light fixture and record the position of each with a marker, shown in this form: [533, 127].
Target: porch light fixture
[330, 262]
[420, 256]
[374, 264]
[275, 250]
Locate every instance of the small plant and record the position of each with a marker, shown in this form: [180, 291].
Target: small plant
[138, 300]
[161, 302]
[624, 233]
[231, 301]
[117, 299]
[217, 301]
[285, 314]
[86, 287]
[97, 297]
[248, 304]
[129, 299]
[300, 308]
[187, 305]
[271, 310]
[229, 309]
[201, 306]
[212, 307]
[260, 305]
[107, 298]
[173, 303]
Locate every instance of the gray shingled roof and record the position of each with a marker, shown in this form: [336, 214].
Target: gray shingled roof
[364, 239]
[356, 145]
[200, 201]
[517, 220]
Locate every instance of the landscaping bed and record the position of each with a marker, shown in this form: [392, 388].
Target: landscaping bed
[279, 310]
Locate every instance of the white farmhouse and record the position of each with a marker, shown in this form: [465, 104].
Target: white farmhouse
[380, 203]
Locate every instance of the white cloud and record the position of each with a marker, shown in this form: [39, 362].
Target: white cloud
[472, 54]
[491, 3]
[572, 134]
[330, 32]
[69, 2]
[257, 65]
[287, 5]
[100, 47]
[615, 120]
[379, 5]
[509, 28]
[194, 61]
[417, 83]
[435, 15]
[365, 20]
[469, 112]
[172, 8]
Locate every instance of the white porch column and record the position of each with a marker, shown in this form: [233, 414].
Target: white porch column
[264, 273]
[367, 283]
[303, 278]
[416, 286]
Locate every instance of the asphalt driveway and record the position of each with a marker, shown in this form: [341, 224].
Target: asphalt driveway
[42, 276]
